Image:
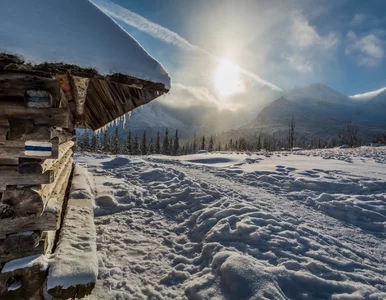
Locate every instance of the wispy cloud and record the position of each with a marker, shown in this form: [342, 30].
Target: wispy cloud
[306, 44]
[161, 33]
[368, 50]
[358, 19]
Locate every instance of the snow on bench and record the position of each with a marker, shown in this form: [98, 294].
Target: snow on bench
[74, 267]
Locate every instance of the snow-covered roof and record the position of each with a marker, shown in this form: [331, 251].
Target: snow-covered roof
[74, 33]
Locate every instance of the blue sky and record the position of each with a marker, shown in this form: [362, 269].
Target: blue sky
[288, 43]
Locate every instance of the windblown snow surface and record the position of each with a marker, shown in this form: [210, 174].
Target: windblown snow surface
[302, 225]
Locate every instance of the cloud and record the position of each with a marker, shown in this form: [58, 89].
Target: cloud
[161, 33]
[368, 50]
[191, 96]
[306, 45]
[358, 19]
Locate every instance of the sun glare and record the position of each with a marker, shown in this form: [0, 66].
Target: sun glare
[227, 79]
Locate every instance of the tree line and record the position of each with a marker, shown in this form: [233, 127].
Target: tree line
[134, 144]
[131, 145]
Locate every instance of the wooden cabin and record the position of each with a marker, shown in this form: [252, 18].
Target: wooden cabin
[41, 105]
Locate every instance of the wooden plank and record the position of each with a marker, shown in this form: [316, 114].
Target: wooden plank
[63, 150]
[21, 202]
[19, 242]
[4, 128]
[11, 176]
[62, 171]
[8, 256]
[9, 161]
[59, 117]
[48, 220]
[16, 84]
[17, 149]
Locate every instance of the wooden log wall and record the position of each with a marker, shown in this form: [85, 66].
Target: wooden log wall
[36, 156]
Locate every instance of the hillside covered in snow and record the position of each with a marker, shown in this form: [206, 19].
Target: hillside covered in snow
[320, 111]
[301, 225]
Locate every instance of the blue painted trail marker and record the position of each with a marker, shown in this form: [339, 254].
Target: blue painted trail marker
[38, 148]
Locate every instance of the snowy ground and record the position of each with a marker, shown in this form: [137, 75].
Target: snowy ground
[304, 225]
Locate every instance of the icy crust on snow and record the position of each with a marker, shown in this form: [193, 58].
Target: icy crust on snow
[194, 227]
[26, 262]
[74, 261]
[35, 30]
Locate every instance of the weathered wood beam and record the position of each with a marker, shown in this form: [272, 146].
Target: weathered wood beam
[25, 149]
[16, 84]
[49, 220]
[21, 202]
[11, 176]
[79, 87]
[4, 128]
[62, 171]
[59, 117]
[6, 256]
[9, 161]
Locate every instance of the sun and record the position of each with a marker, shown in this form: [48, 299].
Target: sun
[227, 81]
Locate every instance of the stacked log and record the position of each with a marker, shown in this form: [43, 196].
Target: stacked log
[36, 157]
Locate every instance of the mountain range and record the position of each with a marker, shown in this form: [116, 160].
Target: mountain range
[318, 110]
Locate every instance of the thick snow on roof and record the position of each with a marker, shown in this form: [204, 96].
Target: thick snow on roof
[74, 32]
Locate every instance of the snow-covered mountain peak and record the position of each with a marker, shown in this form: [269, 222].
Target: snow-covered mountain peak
[369, 95]
[316, 92]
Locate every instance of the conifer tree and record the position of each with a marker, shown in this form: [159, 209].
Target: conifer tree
[203, 143]
[291, 133]
[194, 144]
[176, 145]
[94, 142]
[136, 150]
[83, 141]
[165, 146]
[151, 146]
[115, 144]
[191, 148]
[129, 144]
[106, 141]
[210, 147]
[259, 143]
[158, 144]
[144, 144]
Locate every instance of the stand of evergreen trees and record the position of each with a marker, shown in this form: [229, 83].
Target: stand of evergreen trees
[131, 145]
[134, 144]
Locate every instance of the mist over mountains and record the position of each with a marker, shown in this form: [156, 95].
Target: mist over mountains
[318, 111]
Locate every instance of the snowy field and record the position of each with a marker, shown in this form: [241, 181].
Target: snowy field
[302, 225]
